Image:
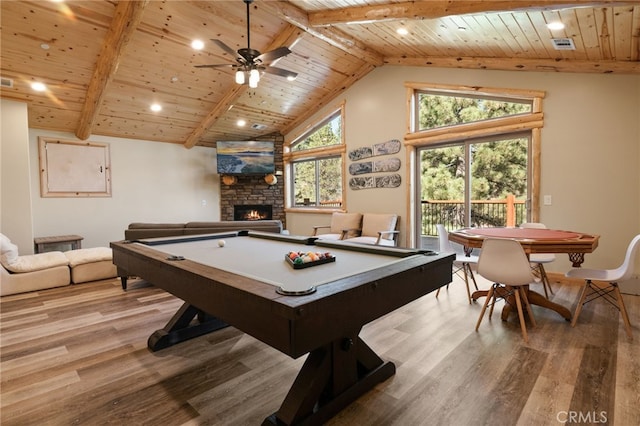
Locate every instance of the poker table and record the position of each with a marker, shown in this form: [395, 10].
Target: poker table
[319, 309]
[532, 240]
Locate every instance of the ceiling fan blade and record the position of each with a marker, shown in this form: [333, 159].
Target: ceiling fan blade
[281, 72]
[216, 66]
[272, 55]
[229, 50]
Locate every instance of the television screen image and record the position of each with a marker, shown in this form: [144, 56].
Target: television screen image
[245, 158]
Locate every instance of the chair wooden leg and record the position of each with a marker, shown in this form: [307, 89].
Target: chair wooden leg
[544, 284]
[465, 267]
[484, 307]
[583, 296]
[496, 294]
[623, 311]
[528, 306]
[545, 280]
[473, 277]
[523, 326]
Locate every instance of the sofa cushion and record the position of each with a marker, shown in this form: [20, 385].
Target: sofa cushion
[8, 250]
[373, 223]
[145, 225]
[342, 221]
[36, 262]
[32, 281]
[88, 255]
[93, 271]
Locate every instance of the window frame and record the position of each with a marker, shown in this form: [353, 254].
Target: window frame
[414, 139]
[290, 157]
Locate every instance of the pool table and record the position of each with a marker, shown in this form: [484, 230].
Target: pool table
[319, 310]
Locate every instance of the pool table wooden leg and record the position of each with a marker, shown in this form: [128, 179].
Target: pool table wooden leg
[331, 378]
[180, 327]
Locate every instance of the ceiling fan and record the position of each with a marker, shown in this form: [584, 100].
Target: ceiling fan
[250, 62]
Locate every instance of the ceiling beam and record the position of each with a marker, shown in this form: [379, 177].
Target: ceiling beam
[505, 64]
[288, 37]
[432, 9]
[126, 19]
[298, 17]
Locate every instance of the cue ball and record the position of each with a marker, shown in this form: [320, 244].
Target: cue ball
[221, 243]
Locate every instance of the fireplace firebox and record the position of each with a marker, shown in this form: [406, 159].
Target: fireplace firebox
[252, 212]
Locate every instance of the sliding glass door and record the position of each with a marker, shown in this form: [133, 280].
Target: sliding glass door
[474, 182]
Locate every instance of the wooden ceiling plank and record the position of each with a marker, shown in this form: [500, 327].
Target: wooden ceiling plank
[126, 18]
[522, 64]
[604, 19]
[623, 26]
[288, 37]
[635, 42]
[437, 9]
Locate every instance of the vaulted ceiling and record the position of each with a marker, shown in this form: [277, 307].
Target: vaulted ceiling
[105, 62]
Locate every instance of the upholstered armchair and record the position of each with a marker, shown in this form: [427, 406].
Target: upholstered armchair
[378, 229]
[343, 226]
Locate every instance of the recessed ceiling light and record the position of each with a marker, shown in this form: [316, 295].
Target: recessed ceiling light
[291, 78]
[38, 87]
[156, 107]
[197, 44]
[402, 31]
[554, 26]
[241, 123]
[44, 46]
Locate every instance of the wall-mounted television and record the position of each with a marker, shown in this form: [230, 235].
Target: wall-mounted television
[245, 157]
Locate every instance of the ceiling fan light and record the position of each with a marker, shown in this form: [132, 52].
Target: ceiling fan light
[240, 77]
[254, 78]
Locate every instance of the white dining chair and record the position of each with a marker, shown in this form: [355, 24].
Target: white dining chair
[538, 260]
[591, 291]
[462, 263]
[504, 262]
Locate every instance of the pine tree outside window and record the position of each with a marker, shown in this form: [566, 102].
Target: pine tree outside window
[476, 153]
[314, 161]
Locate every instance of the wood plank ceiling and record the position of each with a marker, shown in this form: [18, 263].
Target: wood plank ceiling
[105, 62]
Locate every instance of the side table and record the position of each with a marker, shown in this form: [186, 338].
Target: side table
[44, 244]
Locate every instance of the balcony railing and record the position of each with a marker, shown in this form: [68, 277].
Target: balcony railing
[450, 213]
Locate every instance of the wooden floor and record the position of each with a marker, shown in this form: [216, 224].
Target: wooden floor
[77, 355]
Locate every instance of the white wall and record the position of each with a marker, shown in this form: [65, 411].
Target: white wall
[590, 148]
[15, 187]
[150, 182]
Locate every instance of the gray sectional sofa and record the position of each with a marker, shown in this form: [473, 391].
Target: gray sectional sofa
[139, 230]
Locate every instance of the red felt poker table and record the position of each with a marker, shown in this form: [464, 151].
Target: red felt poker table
[532, 240]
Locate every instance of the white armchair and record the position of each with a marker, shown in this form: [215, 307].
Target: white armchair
[379, 229]
[343, 225]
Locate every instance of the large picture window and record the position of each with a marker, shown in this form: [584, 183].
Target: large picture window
[476, 156]
[315, 164]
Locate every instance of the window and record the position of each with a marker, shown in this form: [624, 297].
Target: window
[314, 162]
[475, 152]
[437, 109]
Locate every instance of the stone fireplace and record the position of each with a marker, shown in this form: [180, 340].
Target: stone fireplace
[252, 212]
[254, 191]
